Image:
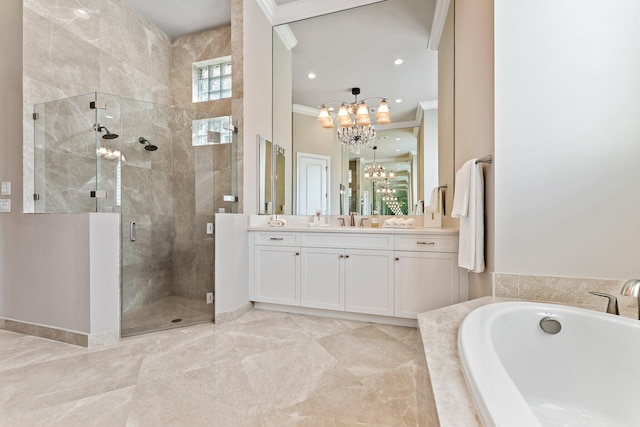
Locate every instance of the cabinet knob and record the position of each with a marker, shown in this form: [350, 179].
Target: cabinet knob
[297, 253]
[426, 243]
[346, 256]
[341, 256]
[397, 259]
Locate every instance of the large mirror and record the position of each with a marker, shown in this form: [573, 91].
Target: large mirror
[381, 49]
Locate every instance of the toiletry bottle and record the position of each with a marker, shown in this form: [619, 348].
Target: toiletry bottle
[374, 219]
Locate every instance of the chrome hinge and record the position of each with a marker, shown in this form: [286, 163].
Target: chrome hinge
[98, 105]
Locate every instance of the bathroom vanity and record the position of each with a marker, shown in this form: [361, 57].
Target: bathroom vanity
[384, 275]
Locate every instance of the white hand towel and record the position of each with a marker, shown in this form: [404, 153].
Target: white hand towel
[387, 222]
[277, 222]
[434, 203]
[468, 205]
[409, 222]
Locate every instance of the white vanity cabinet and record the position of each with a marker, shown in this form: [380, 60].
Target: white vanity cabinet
[347, 272]
[376, 275]
[353, 280]
[276, 268]
[426, 273]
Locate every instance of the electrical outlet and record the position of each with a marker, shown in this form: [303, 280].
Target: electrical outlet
[209, 228]
[5, 205]
[209, 297]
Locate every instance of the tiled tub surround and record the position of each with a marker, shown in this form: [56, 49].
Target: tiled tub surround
[439, 334]
[264, 369]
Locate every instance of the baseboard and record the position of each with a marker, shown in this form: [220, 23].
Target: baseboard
[233, 315]
[61, 335]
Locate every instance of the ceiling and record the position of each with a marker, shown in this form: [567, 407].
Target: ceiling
[181, 17]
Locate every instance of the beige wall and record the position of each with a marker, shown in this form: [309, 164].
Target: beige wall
[474, 116]
[257, 103]
[282, 113]
[567, 150]
[446, 116]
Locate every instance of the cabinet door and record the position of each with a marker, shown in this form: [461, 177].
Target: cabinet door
[321, 279]
[369, 281]
[424, 281]
[276, 275]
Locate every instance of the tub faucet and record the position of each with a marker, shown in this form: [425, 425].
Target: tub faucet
[631, 288]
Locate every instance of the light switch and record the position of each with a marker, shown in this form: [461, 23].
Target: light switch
[209, 228]
[6, 188]
[5, 205]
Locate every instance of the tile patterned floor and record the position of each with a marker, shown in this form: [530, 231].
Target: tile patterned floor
[264, 369]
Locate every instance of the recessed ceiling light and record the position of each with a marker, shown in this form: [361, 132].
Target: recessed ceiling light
[397, 139]
[397, 149]
[398, 61]
[311, 75]
[398, 101]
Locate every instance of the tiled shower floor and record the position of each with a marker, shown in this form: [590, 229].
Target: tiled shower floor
[160, 314]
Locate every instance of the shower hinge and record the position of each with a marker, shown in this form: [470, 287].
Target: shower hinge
[98, 105]
[229, 198]
[36, 197]
[99, 194]
[36, 116]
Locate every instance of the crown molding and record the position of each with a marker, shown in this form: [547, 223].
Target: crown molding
[286, 35]
[303, 9]
[437, 25]
[303, 109]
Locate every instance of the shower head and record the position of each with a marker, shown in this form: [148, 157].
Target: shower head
[107, 135]
[149, 146]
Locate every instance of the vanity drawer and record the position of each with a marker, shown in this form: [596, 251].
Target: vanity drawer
[426, 243]
[348, 240]
[276, 239]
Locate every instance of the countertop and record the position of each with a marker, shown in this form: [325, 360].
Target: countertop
[355, 230]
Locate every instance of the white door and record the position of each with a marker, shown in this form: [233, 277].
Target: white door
[425, 281]
[369, 281]
[277, 277]
[322, 278]
[313, 184]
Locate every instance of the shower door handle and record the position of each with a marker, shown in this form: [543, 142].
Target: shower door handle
[132, 231]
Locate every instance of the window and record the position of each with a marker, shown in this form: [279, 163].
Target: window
[211, 131]
[212, 79]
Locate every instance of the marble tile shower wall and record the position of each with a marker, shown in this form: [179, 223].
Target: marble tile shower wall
[74, 47]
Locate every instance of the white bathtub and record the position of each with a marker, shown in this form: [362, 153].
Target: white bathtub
[586, 375]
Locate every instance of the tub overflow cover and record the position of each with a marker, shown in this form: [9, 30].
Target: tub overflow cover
[550, 325]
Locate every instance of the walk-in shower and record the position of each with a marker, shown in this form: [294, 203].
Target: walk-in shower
[91, 145]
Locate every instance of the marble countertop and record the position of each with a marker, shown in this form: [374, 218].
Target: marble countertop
[355, 230]
[439, 332]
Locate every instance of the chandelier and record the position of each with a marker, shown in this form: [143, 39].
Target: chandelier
[356, 132]
[375, 171]
[384, 187]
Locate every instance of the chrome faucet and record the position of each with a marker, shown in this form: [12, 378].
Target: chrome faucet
[353, 218]
[631, 288]
[341, 221]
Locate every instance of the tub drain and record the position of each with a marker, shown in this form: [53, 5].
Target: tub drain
[176, 321]
[550, 325]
